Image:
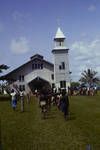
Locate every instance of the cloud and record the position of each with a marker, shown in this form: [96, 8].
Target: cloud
[20, 45]
[84, 34]
[84, 55]
[92, 8]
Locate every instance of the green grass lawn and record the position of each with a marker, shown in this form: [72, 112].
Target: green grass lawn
[28, 131]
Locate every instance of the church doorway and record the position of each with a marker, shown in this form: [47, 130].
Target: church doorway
[38, 84]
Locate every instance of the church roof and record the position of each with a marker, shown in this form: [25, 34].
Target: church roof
[59, 34]
[38, 56]
[34, 57]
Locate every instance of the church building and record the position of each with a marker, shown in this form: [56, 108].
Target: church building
[38, 72]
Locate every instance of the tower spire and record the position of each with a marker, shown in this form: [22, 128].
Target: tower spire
[59, 40]
[59, 34]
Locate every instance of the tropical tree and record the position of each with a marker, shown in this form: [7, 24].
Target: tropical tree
[3, 67]
[89, 77]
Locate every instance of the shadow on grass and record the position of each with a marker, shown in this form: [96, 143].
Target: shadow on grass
[71, 116]
[49, 116]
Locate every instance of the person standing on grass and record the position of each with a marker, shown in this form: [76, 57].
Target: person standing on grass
[64, 104]
[13, 98]
[22, 100]
[28, 95]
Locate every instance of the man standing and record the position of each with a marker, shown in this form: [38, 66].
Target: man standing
[22, 100]
[64, 103]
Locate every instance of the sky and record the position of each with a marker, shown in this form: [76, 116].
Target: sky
[28, 27]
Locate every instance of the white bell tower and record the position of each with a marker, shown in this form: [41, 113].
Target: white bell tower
[61, 63]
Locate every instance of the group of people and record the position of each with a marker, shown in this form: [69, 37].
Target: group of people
[61, 100]
[63, 103]
[15, 96]
[46, 99]
[89, 91]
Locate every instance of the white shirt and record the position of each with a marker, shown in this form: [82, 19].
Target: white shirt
[21, 93]
[13, 94]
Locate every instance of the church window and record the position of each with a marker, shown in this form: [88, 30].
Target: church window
[62, 66]
[33, 66]
[37, 66]
[22, 87]
[52, 76]
[60, 44]
[41, 66]
[62, 84]
[53, 85]
[21, 78]
[59, 67]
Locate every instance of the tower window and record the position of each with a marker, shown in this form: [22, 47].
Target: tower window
[52, 76]
[62, 66]
[60, 43]
[62, 84]
[53, 85]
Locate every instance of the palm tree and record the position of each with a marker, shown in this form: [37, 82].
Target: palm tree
[3, 67]
[89, 77]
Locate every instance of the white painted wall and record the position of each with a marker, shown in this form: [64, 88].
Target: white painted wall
[61, 75]
[43, 73]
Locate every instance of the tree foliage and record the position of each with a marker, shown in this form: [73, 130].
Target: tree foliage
[89, 76]
[3, 67]
[75, 84]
